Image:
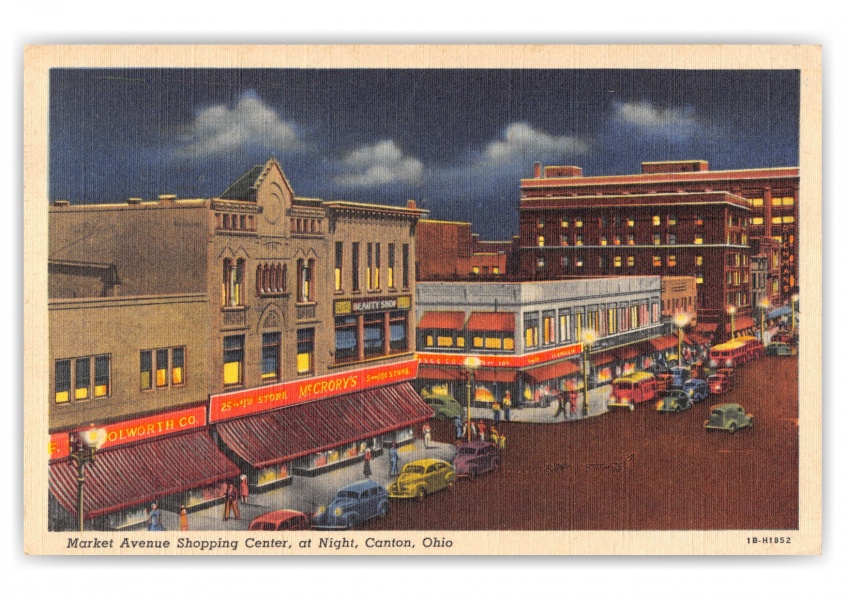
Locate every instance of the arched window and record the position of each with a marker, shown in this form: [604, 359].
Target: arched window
[233, 282]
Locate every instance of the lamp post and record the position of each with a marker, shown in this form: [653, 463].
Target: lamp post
[680, 320]
[763, 304]
[793, 300]
[471, 363]
[588, 337]
[83, 445]
[731, 309]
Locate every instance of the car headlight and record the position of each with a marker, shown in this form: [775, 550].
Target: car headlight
[339, 511]
[660, 404]
[320, 511]
[729, 363]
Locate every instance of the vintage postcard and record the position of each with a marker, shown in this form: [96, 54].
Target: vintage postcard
[422, 300]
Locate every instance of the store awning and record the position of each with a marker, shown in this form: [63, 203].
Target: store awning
[706, 327]
[491, 321]
[741, 323]
[628, 352]
[269, 438]
[433, 319]
[603, 358]
[497, 375]
[696, 338]
[552, 371]
[132, 475]
[662, 343]
[779, 312]
[438, 373]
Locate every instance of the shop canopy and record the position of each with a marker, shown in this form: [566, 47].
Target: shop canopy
[277, 436]
[491, 321]
[696, 338]
[434, 319]
[496, 375]
[706, 327]
[740, 324]
[439, 373]
[779, 312]
[552, 371]
[662, 343]
[629, 352]
[603, 358]
[131, 475]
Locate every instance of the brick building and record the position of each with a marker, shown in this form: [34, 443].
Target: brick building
[449, 250]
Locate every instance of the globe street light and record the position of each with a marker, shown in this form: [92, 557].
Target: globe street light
[588, 337]
[83, 445]
[731, 309]
[793, 300]
[471, 363]
[680, 320]
[763, 304]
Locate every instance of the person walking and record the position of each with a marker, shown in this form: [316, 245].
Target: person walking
[473, 430]
[494, 436]
[568, 413]
[427, 435]
[155, 518]
[183, 518]
[368, 456]
[458, 427]
[559, 401]
[574, 403]
[506, 406]
[245, 489]
[482, 429]
[394, 456]
[227, 501]
[496, 410]
[233, 497]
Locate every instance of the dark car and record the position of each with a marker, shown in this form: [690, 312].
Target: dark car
[474, 458]
[779, 349]
[674, 401]
[353, 504]
[718, 383]
[729, 417]
[697, 389]
[680, 375]
[280, 520]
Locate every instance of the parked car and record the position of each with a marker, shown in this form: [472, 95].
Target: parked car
[446, 407]
[785, 338]
[280, 520]
[680, 375]
[697, 389]
[352, 504]
[474, 458]
[422, 477]
[729, 417]
[779, 349]
[718, 383]
[663, 382]
[728, 372]
[674, 401]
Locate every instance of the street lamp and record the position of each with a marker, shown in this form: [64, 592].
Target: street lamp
[731, 309]
[793, 300]
[680, 320]
[588, 337]
[471, 363]
[763, 304]
[83, 445]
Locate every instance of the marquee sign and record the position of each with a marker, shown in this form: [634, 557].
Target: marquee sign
[526, 360]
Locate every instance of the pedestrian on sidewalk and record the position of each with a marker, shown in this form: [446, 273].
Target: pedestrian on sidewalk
[473, 429]
[183, 518]
[427, 435]
[494, 436]
[368, 456]
[155, 518]
[245, 489]
[233, 497]
[568, 412]
[574, 404]
[394, 456]
[496, 410]
[458, 427]
[482, 429]
[559, 401]
[506, 406]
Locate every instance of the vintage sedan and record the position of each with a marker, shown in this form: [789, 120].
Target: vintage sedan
[729, 417]
[446, 407]
[422, 477]
[674, 401]
[352, 504]
[779, 349]
[474, 458]
[697, 389]
[280, 520]
[718, 383]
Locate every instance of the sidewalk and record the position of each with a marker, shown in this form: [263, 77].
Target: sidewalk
[597, 405]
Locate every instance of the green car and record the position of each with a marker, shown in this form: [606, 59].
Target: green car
[779, 349]
[728, 417]
[446, 408]
[674, 401]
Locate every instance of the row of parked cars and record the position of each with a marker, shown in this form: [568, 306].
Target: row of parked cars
[366, 499]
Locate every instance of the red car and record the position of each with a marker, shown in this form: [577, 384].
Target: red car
[719, 384]
[663, 382]
[280, 520]
[474, 458]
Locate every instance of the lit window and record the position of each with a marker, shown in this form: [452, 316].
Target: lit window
[63, 380]
[656, 261]
[305, 351]
[699, 261]
[391, 259]
[630, 262]
[233, 360]
[162, 367]
[776, 220]
[377, 283]
[339, 263]
[757, 220]
[656, 239]
[83, 378]
[177, 373]
[540, 222]
[631, 240]
[757, 202]
[603, 241]
[565, 239]
[787, 201]
[656, 220]
[102, 376]
[699, 278]
[541, 240]
[671, 220]
[541, 262]
[580, 262]
[630, 222]
[787, 219]
[618, 261]
[671, 260]
[579, 239]
[578, 221]
[697, 238]
[776, 201]
[616, 240]
[565, 223]
[146, 370]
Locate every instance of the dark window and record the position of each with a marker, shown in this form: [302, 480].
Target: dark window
[83, 378]
[405, 266]
[102, 376]
[63, 381]
[178, 363]
[146, 370]
[399, 328]
[374, 334]
[356, 285]
[346, 338]
[270, 356]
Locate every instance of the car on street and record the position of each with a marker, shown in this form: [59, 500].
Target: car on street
[718, 383]
[280, 520]
[352, 504]
[674, 401]
[422, 477]
[663, 381]
[785, 338]
[728, 372]
[446, 407]
[779, 349]
[697, 389]
[474, 458]
[632, 389]
[680, 375]
[729, 417]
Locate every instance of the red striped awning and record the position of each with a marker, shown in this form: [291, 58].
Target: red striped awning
[603, 358]
[438, 373]
[499, 375]
[628, 352]
[491, 321]
[741, 323]
[434, 319]
[552, 371]
[132, 475]
[706, 327]
[280, 435]
[662, 343]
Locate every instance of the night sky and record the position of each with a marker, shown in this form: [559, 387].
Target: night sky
[457, 141]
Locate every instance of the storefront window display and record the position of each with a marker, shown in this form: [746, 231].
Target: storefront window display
[274, 474]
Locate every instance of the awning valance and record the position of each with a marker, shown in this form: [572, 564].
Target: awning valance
[741, 323]
[603, 358]
[491, 321]
[269, 438]
[434, 319]
[497, 375]
[438, 373]
[552, 371]
[132, 475]
[662, 343]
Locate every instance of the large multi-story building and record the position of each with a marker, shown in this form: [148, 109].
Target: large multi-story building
[449, 250]
[704, 235]
[773, 194]
[255, 312]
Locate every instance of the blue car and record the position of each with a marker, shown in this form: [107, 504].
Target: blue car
[696, 389]
[353, 504]
[680, 375]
